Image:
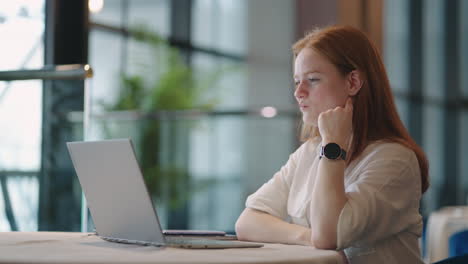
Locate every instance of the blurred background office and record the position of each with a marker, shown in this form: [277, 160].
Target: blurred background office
[204, 89]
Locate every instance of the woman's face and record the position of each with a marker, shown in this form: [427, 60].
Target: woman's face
[319, 85]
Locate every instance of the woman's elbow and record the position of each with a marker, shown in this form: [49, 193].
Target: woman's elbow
[240, 228]
[324, 241]
[245, 224]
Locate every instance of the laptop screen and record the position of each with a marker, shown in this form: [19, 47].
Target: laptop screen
[115, 190]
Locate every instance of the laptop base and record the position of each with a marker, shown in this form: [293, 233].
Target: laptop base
[188, 242]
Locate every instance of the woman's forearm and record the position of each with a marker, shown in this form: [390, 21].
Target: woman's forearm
[254, 225]
[328, 199]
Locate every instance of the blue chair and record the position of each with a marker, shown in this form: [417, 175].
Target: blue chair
[423, 238]
[454, 260]
[458, 244]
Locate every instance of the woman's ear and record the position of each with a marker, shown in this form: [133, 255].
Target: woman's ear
[355, 81]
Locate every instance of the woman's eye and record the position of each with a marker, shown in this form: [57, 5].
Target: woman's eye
[296, 83]
[313, 79]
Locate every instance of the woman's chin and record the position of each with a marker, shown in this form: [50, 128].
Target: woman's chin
[309, 121]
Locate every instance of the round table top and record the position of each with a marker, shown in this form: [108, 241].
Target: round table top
[71, 247]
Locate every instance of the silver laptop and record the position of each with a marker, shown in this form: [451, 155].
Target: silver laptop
[118, 199]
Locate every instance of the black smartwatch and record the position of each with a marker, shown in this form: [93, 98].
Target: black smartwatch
[333, 151]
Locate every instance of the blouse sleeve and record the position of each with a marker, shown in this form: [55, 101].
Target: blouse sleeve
[382, 202]
[272, 197]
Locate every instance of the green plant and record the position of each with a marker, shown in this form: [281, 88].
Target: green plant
[175, 89]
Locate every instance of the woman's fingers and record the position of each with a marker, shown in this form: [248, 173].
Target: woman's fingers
[349, 105]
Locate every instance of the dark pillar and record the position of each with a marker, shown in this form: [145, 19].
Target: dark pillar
[416, 72]
[66, 42]
[181, 18]
[451, 125]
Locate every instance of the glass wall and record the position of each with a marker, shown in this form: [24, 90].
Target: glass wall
[425, 54]
[193, 115]
[396, 51]
[21, 47]
[113, 54]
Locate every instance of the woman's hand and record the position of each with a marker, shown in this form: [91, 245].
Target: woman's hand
[335, 125]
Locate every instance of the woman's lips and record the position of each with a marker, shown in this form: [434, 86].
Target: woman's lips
[303, 107]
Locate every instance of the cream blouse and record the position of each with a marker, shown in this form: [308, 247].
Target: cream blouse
[380, 223]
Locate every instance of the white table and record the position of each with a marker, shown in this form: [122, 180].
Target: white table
[60, 247]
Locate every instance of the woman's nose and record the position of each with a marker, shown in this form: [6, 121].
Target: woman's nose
[301, 91]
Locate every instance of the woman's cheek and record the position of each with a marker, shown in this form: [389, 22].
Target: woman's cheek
[317, 99]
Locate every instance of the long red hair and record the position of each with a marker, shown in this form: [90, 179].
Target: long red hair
[374, 116]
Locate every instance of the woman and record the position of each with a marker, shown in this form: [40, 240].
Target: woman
[356, 182]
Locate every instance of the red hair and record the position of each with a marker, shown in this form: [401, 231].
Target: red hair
[374, 116]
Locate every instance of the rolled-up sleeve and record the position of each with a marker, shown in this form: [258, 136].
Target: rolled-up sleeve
[382, 202]
[272, 196]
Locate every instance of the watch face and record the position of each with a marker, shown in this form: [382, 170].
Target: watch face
[332, 151]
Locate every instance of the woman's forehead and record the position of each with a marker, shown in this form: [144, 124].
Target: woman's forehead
[308, 61]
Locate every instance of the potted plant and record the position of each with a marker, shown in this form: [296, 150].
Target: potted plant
[175, 91]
